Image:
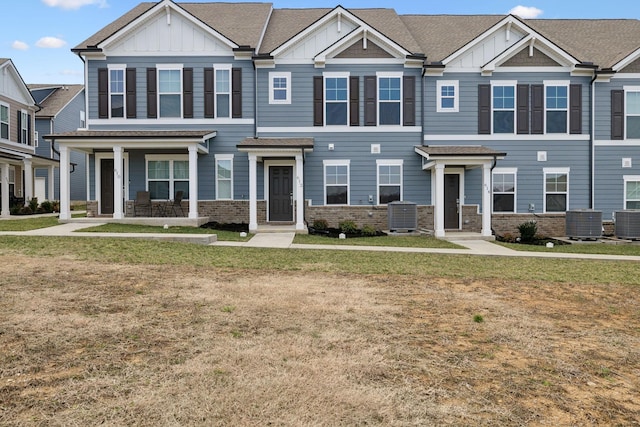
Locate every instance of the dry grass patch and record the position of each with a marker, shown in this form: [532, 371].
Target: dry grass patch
[89, 343]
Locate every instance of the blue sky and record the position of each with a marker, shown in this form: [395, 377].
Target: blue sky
[38, 34]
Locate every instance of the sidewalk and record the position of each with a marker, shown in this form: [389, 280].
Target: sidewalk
[285, 241]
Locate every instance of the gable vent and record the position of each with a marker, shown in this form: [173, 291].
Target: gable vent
[402, 216]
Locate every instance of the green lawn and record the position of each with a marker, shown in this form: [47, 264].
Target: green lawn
[394, 241]
[580, 248]
[223, 235]
[28, 224]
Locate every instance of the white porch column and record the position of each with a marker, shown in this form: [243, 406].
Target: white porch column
[51, 193]
[299, 192]
[118, 181]
[193, 181]
[4, 188]
[253, 192]
[486, 199]
[439, 207]
[65, 186]
[28, 179]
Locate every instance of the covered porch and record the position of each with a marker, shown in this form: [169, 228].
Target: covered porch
[113, 184]
[447, 165]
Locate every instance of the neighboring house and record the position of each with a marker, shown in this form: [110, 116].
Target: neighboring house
[18, 157]
[265, 116]
[62, 110]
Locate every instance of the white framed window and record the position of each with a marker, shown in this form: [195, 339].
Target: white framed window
[116, 91]
[504, 190]
[389, 98]
[4, 121]
[503, 106]
[336, 182]
[556, 103]
[224, 176]
[83, 120]
[222, 89]
[280, 88]
[36, 139]
[631, 191]
[12, 181]
[24, 126]
[632, 112]
[170, 90]
[556, 189]
[447, 96]
[389, 180]
[166, 175]
[336, 99]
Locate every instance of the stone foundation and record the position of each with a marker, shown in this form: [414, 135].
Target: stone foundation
[374, 216]
[550, 225]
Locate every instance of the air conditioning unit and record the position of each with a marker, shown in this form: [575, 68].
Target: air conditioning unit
[628, 224]
[584, 224]
[402, 216]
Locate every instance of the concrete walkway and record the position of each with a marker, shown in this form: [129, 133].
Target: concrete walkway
[285, 241]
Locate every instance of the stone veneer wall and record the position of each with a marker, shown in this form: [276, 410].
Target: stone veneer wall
[550, 225]
[375, 216]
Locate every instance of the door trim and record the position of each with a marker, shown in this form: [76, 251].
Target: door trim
[267, 175]
[98, 179]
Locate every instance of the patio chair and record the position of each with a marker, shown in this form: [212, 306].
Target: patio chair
[176, 205]
[142, 204]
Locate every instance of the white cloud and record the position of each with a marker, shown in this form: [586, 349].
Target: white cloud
[50, 43]
[19, 45]
[526, 12]
[74, 4]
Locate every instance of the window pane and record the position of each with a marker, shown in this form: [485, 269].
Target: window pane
[336, 113]
[159, 189]
[117, 81]
[389, 89]
[389, 174]
[222, 105]
[503, 182]
[556, 202]
[337, 195]
[633, 205]
[224, 189]
[389, 113]
[280, 94]
[503, 97]
[180, 169]
[556, 97]
[222, 81]
[633, 127]
[336, 175]
[158, 169]
[448, 91]
[4, 131]
[117, 106]
[169, 81]
[170, 106]
[181, 186]
[336, 89]
[503, 203]
[4, 113]
[556, 122]
[633, 190]
[447, 103]
[389, 193]
[224, 169]
[503, 122]
[633, 102]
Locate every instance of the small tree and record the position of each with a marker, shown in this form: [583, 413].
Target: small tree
[528, 231]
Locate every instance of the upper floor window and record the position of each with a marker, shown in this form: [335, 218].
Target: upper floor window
[83, 120]
[504, 103]
[632, 112]
[504, 190]
[4, 121]
[447, 96]
[557, 104]
[224, 176]
[280, 88]
[116, 92]
[389, 181]
[556, 189]
[223, 90]
[24, 127]
[336, 99]
[389, 99]
[336, 182]
[170, 92]
[631, 192]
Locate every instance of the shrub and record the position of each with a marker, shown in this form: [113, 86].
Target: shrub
[369, 230]
[33, 204]
[528, 231]
[320, 224]
[26, 210]
[348, 227]
[47, 206]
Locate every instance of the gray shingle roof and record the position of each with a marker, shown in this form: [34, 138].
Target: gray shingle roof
[58, 99]
[277, 143]
[459, 150]
[131, 134]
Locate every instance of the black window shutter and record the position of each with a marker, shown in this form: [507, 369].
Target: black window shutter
[236, 93]
[29, 141]
[370, 101]
[152, 98]
[484, 109]
[209, 104]
[103, 93]
[318, 101]
[131, 93]
[575, 111]
[409, 100]
[537, 109]
[354, 101]
[617, 114]
[187, 93]
[523, 109]
[19, 123]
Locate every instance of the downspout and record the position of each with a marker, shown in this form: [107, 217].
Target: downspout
[592, 138]
[255, 100]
